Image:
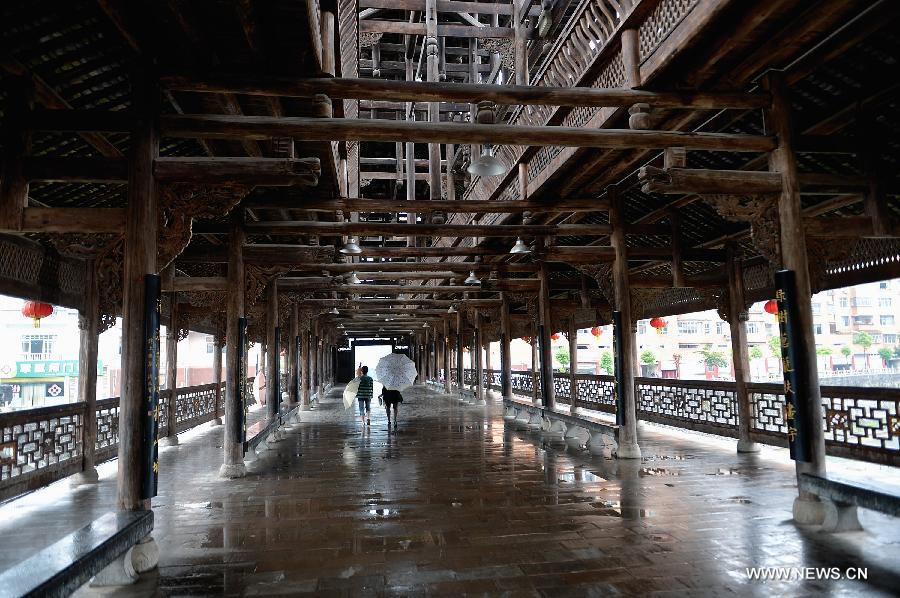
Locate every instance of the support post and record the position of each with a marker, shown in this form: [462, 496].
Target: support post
[520, 51]
[232, 441]
[217, 378]
[89, 334]
[807, 508]
[326, 28]
[486, 344]
[171, 438]
[448, 354]
[535, 379]
[306, 383]
[478, 366]
[544, 332]
[273, 351]
[628, 445]
[737, 318]
[505, 355]
[294, 354]
[460, 374]
[16, 146]
[432, 51]
[141, 219]
[573, 366]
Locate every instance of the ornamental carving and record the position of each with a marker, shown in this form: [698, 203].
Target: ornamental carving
[530, 300]
[258, 278]
[758, 210]
[602, 273]
[822, 252]
[180, 203]
[504, 47]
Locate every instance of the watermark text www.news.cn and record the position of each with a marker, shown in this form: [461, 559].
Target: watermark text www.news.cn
[806, 573]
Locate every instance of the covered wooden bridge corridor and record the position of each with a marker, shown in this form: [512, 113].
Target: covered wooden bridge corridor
[443, 175]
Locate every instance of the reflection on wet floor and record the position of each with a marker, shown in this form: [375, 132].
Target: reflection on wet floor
[457, 503]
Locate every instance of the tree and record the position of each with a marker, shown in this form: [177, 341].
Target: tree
[562, 356]
[864, 340]
[824, 351]
[606, 363]
[846, 351]
[897, 351]
[774, 343]
[755, 352]
[885, 353]
[713, 359]
[648, 358]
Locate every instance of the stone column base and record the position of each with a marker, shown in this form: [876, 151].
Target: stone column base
[83, 478]
[808, 511]
[232, 471]
[145, 555]
[216, 422]
[305, 407]
[120, 572]
[250, 457]
[840, 518]
[168, 441]
[535, 422]
[747, 446]
[628, 451]
[603, 445]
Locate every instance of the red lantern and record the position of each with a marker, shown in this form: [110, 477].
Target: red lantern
[36, 310]
[527, 339]
[771, 307]
[554, 336]
[596, 331]
[658, 324]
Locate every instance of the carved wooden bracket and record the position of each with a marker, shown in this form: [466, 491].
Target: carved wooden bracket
[760, 211]
[602, 273]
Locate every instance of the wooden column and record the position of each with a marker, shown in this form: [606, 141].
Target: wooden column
[432, 52]
[233, 465]
[486, 344]
[320, 361]
[274, 352]
[171, 438]
[217, 377]
[737, 318]
[573, 365]
[16, 141]
[139, 259]
[478, 366]
[677, 268]
[450, 151]
[628, 445]
[448, 355]
[293, 392]
[305, 360]
[535, 374]
[410, 151]
[807, 508]
[520, 51]
[89, 335]
[326, 28]
[505, 355]
[459, 351]
[544, 332]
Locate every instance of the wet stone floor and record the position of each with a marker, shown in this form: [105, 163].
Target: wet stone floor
[457, 503]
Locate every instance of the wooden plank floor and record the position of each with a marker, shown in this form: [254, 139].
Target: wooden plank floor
[456, 504]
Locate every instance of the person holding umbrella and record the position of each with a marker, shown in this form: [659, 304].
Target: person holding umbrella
[391, 397]
[364, 396]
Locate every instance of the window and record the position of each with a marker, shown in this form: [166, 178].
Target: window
[890, 339]
[720, 327]
[817, 329]
[884, 302]
[884, 285]
[844, 302]
[688, 327]
[861, 302]
[642, 327]
[862, 320]
[845, 320]
[886, 320]
[210, 344]
[581, 347]
[816, 308]
[688, 346]
[706, 328]
[752, 327]
[37, 346]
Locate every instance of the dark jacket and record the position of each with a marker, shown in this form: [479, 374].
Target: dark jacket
[392, 396]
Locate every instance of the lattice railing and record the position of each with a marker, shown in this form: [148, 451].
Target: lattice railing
[596, 392]
[698, 404]
[40, 446]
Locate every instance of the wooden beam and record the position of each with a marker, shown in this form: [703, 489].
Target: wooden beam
[423, 91]
[400, 267]
[700, 181]
[186, 284]
[73, 220]
[436, 230]
[485, 8]
[338, 129]
[249, 171]
[272, 201]
[443, 29]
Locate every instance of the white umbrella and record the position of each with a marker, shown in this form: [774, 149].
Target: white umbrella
[396, 371]
[352, 388]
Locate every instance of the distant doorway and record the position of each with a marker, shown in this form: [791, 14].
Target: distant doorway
[369, 355]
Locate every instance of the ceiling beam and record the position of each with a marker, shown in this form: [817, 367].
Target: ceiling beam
[272, 201]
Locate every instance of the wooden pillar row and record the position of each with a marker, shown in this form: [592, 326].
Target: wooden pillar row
[505, 355]
[89, 335]
[306, 362]
[171, 438]
[737, 321]
[478, 366]
[217, 378]
[232, 445]
[548, 394]
[293, 354]
[274, 351]
[573, 365]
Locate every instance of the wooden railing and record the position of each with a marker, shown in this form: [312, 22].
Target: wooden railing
[859, 423]
[40, 446]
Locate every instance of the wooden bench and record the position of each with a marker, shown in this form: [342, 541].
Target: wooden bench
[844, 496]
[66, 565]
[604, 436]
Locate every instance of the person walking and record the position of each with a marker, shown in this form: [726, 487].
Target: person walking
[364, 396]
[391, 397]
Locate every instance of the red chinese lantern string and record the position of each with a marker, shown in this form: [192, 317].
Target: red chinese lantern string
[596, 331]
[554, 336]
[658, 323]
[771, 307]
[36, 310]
